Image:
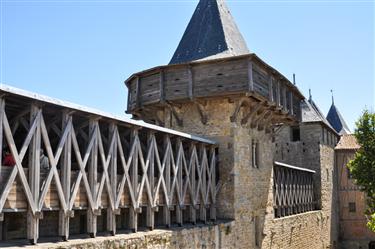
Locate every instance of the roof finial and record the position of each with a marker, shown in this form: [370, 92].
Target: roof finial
[294, 78]
[310, 97]
[333, 100]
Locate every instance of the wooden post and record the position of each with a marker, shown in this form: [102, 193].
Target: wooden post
[270, 87]
[93, 180]
[161, 82]
[2, 112]
[278, 95]
[133, 216]
[285, 108]
[65, 177]
[291, 104]
[111, 214]
[192, 161]
[167, 177]
[34, 177]
[191, 83]
[138, 94]
[213, 183]
[150, 218]
[203, 172]
[250, 76]
[179, 151]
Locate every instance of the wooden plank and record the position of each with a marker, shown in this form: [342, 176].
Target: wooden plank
[270, 87]
[34, 174]
[167, 177]
[179, 165]
[193, 163]
[93, 178]
[150, 217]
[291, 111]
[111, 216]
[133, 216]
[2, 112]
[250, 76]
[138, 90]
[278, 96]
[161, 83]
[191, 82]
[65, 169]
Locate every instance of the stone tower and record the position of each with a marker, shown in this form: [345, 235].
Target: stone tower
[215, 88]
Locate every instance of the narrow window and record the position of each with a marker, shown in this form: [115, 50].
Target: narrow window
[322, 135]
[254, 154]
[352, 207]
[296, 134]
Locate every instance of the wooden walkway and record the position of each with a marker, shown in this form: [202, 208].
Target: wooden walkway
[99, 162]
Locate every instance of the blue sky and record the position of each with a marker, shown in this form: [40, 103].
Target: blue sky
[82, 51]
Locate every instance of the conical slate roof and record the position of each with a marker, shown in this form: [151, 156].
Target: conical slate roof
[337, 121]
[312, 113]
[210, 34]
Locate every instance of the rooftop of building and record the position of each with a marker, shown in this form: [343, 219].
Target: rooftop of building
[336, 120]
[347, 142]
[211, 34]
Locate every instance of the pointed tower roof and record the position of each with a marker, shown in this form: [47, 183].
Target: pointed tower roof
[311, 112]
[210, 34]
[337, 121]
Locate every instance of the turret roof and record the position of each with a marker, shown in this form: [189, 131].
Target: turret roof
[210, 34]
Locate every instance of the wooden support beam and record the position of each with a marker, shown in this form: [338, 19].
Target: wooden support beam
[138, 92]
[175, 114]
[202, 112]
[162, 87]
[202, 172]
[285, 108]
[179, 152]
[253, 111]
[239, 103]
[2, 113]
[133, 214]
[270, 87]
[65, 172]
[34, 176]
[150, 216]
[213, 183]
[250, 76]
[259, 118]
[291, 111]
[278, 95]
[193, 163]
[191, 82]
[167, 176]
[111, 213]
[93, 180]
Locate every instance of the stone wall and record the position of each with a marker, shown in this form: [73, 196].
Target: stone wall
[220, 235]
[246, 193]
[315, 151]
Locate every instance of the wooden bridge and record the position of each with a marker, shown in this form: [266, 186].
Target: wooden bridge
[99, 163]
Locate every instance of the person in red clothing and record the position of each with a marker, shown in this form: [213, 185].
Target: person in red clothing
[8, 159]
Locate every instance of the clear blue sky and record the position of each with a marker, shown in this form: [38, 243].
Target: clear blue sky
[82, 51]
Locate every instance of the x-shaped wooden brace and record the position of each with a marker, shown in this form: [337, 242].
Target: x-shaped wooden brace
[209, 187]
[144, 167]
[125, 177]
[175, 165]
[18, 159]
[105, 176]
[82, 174]
[161, 167]
[53, 160]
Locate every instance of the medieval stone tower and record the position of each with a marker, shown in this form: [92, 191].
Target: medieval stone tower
[215, 87]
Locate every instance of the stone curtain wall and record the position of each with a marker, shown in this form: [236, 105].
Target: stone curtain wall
[245, 193]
